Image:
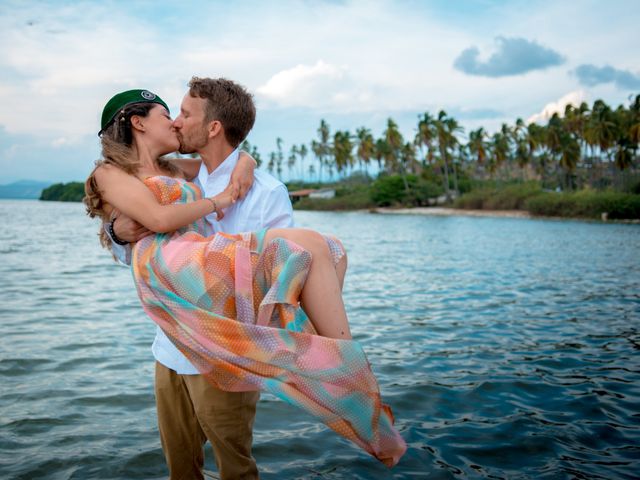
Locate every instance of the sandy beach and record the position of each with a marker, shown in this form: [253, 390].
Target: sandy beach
[442, 211]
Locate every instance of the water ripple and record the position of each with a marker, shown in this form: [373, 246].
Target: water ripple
[508, 348]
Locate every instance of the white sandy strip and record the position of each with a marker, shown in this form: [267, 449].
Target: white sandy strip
[441, 211]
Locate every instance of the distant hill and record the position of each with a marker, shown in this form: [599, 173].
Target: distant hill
[64, 192]
[23, 189]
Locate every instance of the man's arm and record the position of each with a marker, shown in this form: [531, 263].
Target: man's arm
[122, 253]
[243, 175]
[277, 211]
[241, 178]
[189, 166]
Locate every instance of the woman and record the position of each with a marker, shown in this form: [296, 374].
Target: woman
[230, 303]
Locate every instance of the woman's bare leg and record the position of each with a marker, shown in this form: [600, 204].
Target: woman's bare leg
[322, 293]
[341, 266]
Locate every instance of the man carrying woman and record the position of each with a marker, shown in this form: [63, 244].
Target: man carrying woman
[227, 306]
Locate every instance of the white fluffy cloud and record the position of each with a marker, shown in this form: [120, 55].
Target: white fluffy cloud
[321, 85]
[574, 98]
[300, 80]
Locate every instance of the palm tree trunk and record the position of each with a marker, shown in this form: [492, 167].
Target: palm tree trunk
[446, 173]
[455, 178]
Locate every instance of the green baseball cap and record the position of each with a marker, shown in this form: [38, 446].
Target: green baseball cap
[121, 100]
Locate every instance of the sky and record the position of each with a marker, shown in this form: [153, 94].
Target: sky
[352, 63]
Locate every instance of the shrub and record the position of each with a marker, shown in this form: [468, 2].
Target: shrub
[586, 203]
[390, 190]
[510, 197]
[64, 192]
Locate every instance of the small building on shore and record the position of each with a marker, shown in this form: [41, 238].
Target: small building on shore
[311, 193]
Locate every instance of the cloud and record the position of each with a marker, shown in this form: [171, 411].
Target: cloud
[352, 62]
[590, 75]
[514, 56]
[321, 85]
[574, 98]
[300, 79]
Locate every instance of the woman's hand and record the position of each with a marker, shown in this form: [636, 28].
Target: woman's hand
[224, 200]
[242, 176]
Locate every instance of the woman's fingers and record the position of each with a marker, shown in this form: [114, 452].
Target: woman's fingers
[144, 233]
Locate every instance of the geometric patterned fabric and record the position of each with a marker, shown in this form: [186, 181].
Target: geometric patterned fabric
[231, 305]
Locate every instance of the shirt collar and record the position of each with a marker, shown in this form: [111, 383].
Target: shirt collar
[225, 168]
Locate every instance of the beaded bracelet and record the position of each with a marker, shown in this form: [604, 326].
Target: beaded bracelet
[113, 234]
[213, 202]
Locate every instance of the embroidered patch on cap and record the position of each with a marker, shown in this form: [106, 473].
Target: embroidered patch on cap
[146, 94]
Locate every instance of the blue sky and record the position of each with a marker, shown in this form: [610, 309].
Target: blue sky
[353, 63]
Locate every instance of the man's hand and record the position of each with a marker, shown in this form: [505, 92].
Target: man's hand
[242, 176]
[128, 229]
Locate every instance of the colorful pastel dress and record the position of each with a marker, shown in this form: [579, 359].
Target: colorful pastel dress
[230, 304]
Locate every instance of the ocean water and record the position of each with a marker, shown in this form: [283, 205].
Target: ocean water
[507, 348]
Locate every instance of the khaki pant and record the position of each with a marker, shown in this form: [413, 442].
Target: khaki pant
[190, 411]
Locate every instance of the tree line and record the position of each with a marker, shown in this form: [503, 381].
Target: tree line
[585, 146]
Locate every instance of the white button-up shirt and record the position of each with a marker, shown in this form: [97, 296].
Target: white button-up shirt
[266, 204]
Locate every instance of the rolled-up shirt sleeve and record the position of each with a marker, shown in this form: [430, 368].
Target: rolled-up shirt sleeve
[122, 253]
[277, 211]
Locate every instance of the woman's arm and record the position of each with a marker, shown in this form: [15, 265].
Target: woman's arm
[241, 178]
[132, 197]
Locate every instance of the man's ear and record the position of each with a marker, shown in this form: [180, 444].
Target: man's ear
[136, 122]
[215, 128]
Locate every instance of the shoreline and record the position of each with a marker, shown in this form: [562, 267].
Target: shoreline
[450, 212]
[463, 212]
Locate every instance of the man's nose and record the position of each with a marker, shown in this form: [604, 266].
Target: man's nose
[177, 123]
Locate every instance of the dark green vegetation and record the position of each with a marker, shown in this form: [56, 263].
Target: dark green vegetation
[586, 203]
[64, 192]
[582, 163]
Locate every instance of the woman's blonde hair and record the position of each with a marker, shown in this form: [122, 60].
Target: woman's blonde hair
[117, 150]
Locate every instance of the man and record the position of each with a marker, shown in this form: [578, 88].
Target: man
[215, 117]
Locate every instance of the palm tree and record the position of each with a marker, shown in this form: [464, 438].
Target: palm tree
[408, 158]
[380, 151]
[291, 160]
[446, 129]
[575, 120]
[272, 163]
[521, 154]
[342, 150]
[453, 128]
[253, 150]
[478, 147]
[569, 158]
[302, 151]
[366, 147]
[600, 130]
[322, 148]
[499, 151]
[279, 157]
[634, 128]
[425, 136]
[555, 139]
[625, 146]
[395, 142]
